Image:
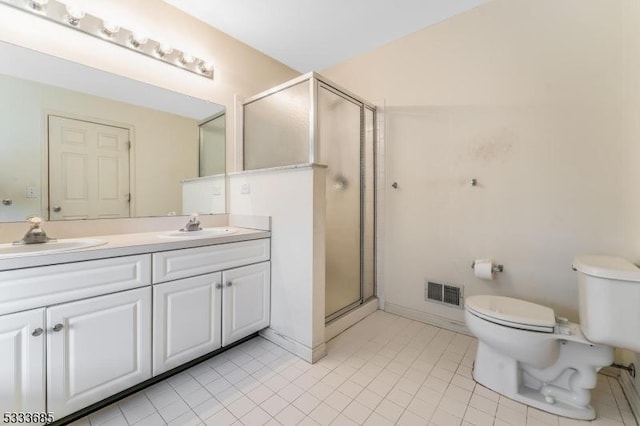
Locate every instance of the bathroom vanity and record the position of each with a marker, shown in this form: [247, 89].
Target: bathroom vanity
[77, 327]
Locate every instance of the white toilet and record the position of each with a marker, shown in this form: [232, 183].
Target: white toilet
[529, 355]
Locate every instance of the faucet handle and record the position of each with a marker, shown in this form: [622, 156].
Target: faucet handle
[193, 224]
[34, 221]
[35, 234]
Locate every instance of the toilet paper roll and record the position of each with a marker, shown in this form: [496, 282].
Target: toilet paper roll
[483, 269]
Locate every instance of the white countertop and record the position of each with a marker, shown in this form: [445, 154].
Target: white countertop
[128, 244]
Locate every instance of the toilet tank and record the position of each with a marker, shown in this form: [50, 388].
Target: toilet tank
[609, 289]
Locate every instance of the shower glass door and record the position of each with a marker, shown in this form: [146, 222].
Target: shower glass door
[313, 121]
[340, 139]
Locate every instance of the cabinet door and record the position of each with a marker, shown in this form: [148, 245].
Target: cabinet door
[97, 347]
[22, 346]
[186, 320]
[246, 301]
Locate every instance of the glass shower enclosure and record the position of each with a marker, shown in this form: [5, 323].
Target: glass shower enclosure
[312, 120]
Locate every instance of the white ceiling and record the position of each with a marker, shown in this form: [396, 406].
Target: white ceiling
[311, 35]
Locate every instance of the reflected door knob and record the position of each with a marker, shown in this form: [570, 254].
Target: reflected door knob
[56, 209]
[229, 283]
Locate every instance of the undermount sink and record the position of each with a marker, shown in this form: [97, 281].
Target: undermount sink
[17, 250]
[203, 233]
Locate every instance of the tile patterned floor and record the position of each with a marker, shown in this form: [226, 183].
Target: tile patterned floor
[385, 370]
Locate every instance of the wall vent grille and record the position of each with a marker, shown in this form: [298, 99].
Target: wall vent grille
[434, 291]
[443, 293]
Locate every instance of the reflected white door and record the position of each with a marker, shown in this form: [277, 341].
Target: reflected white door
[88, 170]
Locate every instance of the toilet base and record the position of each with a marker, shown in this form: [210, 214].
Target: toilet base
[533, 398]
[502, 375]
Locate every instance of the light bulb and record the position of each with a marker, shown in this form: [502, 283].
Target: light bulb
[205, 67]
[186, 59]
[164, 50]
[37, 4]
[74, 15]
[138, 39]
[110, 28]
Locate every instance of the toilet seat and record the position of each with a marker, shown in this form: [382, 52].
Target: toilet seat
[512, 313]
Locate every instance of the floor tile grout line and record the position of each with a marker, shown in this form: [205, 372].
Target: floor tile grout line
[375, 352]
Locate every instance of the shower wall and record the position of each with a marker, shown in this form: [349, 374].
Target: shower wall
[277, 128]
[310, 120]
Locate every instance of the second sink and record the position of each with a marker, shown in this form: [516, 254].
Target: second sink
[203, 233]
[17, 250]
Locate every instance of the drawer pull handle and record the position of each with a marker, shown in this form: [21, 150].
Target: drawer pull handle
[58, 327]
[229, 283]
[218, 286]
[38, 331]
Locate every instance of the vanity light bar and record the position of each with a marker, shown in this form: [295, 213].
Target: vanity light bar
[73, 17]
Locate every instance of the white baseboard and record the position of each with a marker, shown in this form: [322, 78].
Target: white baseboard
[304, 352]
[436, 320]
[626, 382]
[340, 324]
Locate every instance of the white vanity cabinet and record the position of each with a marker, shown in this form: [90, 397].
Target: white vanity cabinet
[73, 334]
[246, 301]
[187, 320]
[97, 347]
[84, 326]
[22, 362]
[205, 299]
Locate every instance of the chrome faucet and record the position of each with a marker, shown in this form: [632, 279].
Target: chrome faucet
[192, 225]
[35, 234]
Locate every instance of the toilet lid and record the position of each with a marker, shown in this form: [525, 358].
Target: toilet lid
[512, 312]
[607, 267]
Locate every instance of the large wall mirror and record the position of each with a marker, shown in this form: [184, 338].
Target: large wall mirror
[80, 143]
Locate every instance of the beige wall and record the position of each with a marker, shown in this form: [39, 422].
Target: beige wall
[537, 100]
[239, 69]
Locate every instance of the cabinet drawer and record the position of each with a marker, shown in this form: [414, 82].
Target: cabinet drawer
[29, 288]
[175, 264]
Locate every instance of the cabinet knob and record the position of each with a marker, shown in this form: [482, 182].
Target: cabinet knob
[229, 283]
[218, 286]
[58, 327]
[38, 331]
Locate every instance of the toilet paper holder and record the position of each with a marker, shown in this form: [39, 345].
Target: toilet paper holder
[494, 268]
